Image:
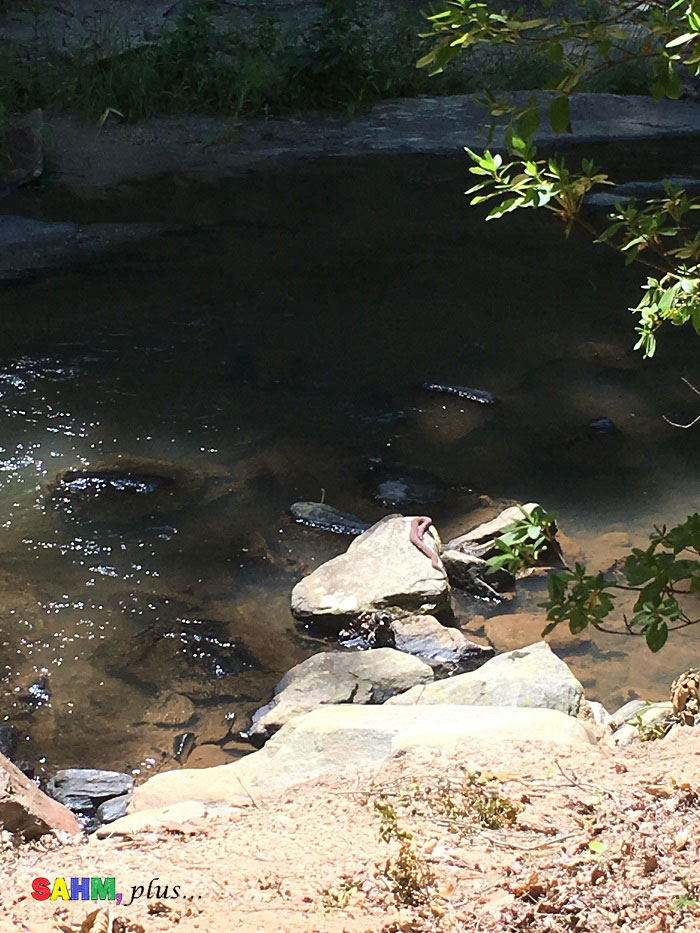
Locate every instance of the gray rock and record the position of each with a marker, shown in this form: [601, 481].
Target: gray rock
[16, 231]
[345, 737]
[442, 647]
[650, 721]
[112, 809]
[479, 540]
[338, 677]
[25, 150]
[532, 676]
[381, 569]
[83, 789]
[473, 574]
[26, 811]
[326, 518]
[626, 712]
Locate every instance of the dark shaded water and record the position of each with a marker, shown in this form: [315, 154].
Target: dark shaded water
[270, 350]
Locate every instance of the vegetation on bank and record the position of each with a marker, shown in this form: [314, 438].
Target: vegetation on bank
[351, 54]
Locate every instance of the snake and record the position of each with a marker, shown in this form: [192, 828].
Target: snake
[419, 526]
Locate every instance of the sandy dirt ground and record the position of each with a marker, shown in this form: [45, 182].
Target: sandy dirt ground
[526, 837]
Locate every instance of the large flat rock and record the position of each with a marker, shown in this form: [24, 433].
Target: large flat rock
[526, 677]
[428, 125]
[342, 738]
[381, 569]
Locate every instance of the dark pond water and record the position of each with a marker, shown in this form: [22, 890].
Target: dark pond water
[269, 350]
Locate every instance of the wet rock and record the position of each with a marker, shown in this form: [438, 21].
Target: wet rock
[473, 574]
[381, 569]
[326, 518]
[183, 745]
[82, 790]
[603, 425]
[112, 809]
[8, 740]
[532, 676]
[338, 677]
[472, 395]
[28, 812]
[442, 647]
[25, 150]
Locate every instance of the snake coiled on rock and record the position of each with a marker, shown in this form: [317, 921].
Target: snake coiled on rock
[419, 526]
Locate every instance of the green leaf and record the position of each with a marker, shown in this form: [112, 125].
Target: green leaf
[559, 115]
[528, 123]
[656, 636]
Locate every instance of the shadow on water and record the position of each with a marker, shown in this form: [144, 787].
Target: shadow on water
[272, 347]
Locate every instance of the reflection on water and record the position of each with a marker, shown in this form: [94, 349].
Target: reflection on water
[274, 349]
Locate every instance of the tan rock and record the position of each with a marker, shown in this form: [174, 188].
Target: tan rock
[180, 817]
[343, 738]
[26, 811]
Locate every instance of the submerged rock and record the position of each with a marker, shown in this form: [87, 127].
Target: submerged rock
[472, 395]
[104, 482]
[338, 677]
[532, 676]
[326, 518]
[603, 425]
[381, 569]
[8, 740]
[398, 486]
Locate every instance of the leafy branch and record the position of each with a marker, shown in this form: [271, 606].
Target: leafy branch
[665, 576]
[656, 233]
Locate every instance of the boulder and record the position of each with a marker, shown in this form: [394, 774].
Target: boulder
[27, 811]
[347, 737]
[84, 789]
[381, 569]
[532, 676]
[338, 677]
[441, 646]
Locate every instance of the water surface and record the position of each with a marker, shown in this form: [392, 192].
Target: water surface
[271, 349]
